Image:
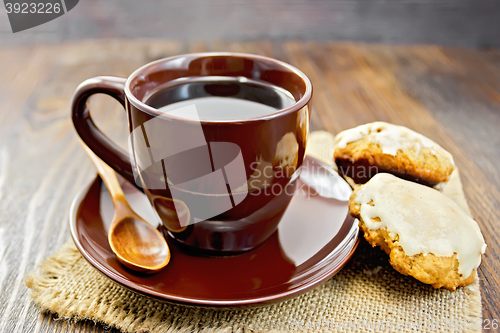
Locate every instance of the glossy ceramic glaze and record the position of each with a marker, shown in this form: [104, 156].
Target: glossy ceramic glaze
[314, 240]
[208, 164]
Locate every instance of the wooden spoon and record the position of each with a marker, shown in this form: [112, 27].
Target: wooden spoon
[136, 244]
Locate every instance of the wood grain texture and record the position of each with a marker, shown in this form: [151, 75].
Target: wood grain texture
[451, 95]
[469, 23]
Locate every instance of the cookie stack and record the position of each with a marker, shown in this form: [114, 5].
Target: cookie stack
[397, 175]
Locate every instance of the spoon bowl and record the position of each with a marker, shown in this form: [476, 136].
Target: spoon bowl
[137, 246]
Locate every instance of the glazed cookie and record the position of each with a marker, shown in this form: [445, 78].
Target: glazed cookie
[426, 234]
[366, 150]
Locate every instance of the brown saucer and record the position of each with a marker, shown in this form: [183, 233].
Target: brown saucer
[315, 239]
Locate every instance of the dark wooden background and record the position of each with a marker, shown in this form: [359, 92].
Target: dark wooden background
[470, 23]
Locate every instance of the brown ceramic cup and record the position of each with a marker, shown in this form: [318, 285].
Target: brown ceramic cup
[219, 186]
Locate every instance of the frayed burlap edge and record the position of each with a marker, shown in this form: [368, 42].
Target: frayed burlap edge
[367, 288]
[130, 312]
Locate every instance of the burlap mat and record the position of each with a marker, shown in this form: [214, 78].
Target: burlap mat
[367, 295]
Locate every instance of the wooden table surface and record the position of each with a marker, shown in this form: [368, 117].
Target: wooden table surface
[451, 95]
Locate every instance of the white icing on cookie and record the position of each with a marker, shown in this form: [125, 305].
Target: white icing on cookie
[426, 220]
[391, 138]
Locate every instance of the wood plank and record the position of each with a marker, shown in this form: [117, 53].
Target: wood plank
[470, 23]
[451, 95]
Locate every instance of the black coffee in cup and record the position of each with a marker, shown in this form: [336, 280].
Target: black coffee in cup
[220, 98]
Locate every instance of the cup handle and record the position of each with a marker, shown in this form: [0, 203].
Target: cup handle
[97, 141]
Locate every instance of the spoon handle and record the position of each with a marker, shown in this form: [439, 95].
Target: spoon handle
[108, 175]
